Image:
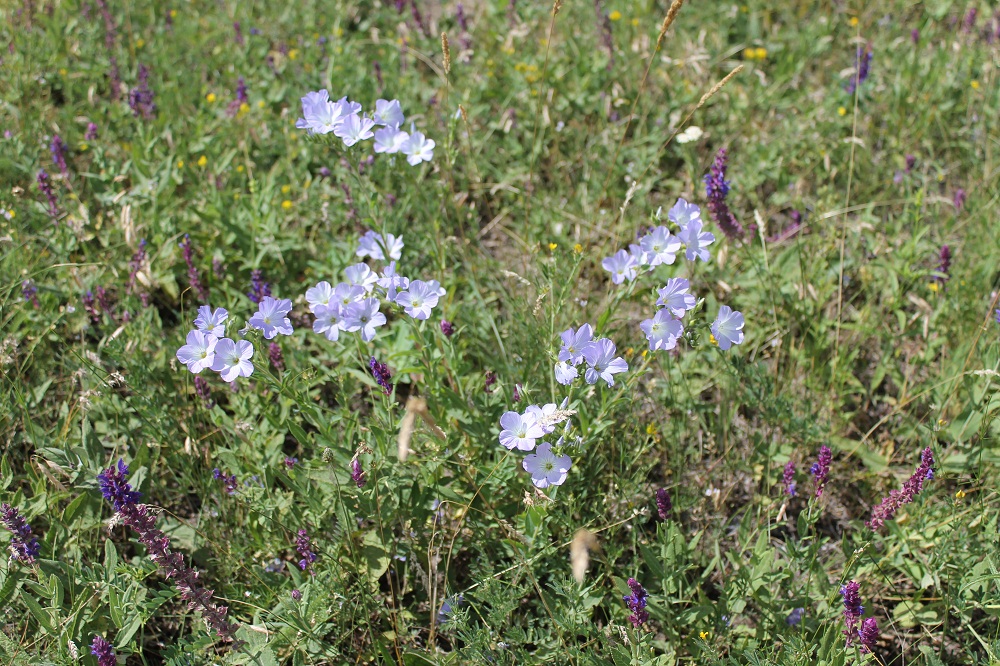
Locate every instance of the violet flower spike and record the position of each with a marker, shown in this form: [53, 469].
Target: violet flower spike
[45, 186]
[897, 498]
[303, 547]
[853, 610]
[194, 277]
[258, 288]
[380, 371]
[29, 292]
[102, 649]
[663, 504]
[868, 635]
[716, 190]
[357, 473]
[58, 148]
[24, 547]
[821, 468]
[788, 479]
[864, 61]
[636, 603]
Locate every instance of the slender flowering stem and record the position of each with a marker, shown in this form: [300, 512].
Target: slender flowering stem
[663, 504]
[125, 501]
[24, 547]
[853, 610]
[58, 149]
[303, 547]
[716, 189]
[30, 292]
[788, 479]
[636, 603]
[258, 288]
[821, 468]
[194, 277]
[45, 186]
[380, 371]
[897, 498]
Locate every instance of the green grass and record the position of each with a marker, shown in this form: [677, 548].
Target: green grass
[852, 341]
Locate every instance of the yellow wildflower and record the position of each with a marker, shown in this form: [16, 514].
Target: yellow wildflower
[285, 189]
[139, 43]
[960, 494]
[84, 146]
[853, 21]
[761, 53]
[615, 15]
[933, 286]
[841, 111]
[202, 161]
[552, 246]
[975, 85]
[210, 98]
[62, 71]
[180, 164]
[704, 635]
[651, 429]
[244, 108]
[239, 169]
[578, 248]
[286, 204]
[635, 23]
[260, 104]
[173, 13]
[293, 54]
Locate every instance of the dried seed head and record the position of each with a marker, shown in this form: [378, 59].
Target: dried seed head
[579, 552]
[446, 50]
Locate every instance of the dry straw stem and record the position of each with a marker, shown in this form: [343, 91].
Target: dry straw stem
[415, 407]
[675, 7]
[446, 50]
[579, 552]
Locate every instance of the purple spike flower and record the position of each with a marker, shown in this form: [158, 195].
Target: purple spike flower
[944, 267]
[959, 199]
[821, 468]
[88, 305]
[795, 617]
[897, 498]
[241, 98]
[864, 61]
[357, 474]
[304, 548]
[788, 479]
[911, 161]
[868, 635]
[237, 33]
[853, 610]
[636, 603]
[136, 264]
[194, 277]
[24, 547]
[140, 98]
[58, 148]
[229, 480]
[102, 649]
[382, 375]
[203, 391]
[488, 381]
[45, 185]
[110, 30]
[447, 328]
[30, 292]
[663, 504]
[604, 31]
[969, 23]
[418, 18]
[716, 189]
[915, 36]
[117, 490]
[91, 132]
[258, 288]
[296, 595]
[114, 80]
[276, 357]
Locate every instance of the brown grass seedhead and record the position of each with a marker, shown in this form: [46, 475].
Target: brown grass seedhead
[446, 50]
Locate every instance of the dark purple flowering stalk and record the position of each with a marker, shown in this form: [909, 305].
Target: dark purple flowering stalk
[400, 6]
[488, 381]
[237, 33]
[110, 30]
[418, 18]
[853, 610]
[357, 474]
[168, 22]
[114, 80]
[788, 479]
[104, 301]
[959, 198]
[897, 498]
[969, 23]
[380, 371]
[202, 390]
[91, 132]
[868, 635]
[998, 316]
[663, 504]
[229, 480]
[944, 265]
[864, 61]
[24, 547]
[45, 186]
[351, 214]
[276, 357]
[218, 269]
[911, 161]
[88, 305]
[604, 31]
[135, 265]
[241, 98]
[464, 38]
[517, 393]
[821, 468]
[716, 189]
[125, 501]
[304, 548]
[30, 292]
[102, 649]
[636, 603]
[296, 595]
[447, 328]
[915, 36]
[258, 288]
[140, 98]
[291, 462]
[378, 75]
[194, 277]
[58, 149]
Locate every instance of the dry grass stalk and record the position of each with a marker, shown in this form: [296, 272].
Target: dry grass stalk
[717, 87]
[415, 407]
[675, 7]
[579, 552]
[446, 50]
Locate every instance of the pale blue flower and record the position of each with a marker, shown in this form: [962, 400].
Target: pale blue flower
[574, 343]
[375, 245]
[602, 362]
[364, 316]
[543, 416]
[232, 359]
[519, 431]
[662, 330]
[390, 140]
[682, 213]
[321, 116]
[354, 128]
[388, 113]
[329, 320]
[696, 240]
[418, 300]
[660, 247]
[211, 323]
[565, 373]
[546, 468]
[321, 294]
[199, 352]
[392, 282]
[675, 297]
[728, 327]
[622, 266]
[272, 317]
[362, 276]
[345, 293]
[418, 148]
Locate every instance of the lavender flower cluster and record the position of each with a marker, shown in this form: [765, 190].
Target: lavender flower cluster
[897, 498]
[521, 431]
[599, 354]
[24, 547]
[345, 120]
[661, 247]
